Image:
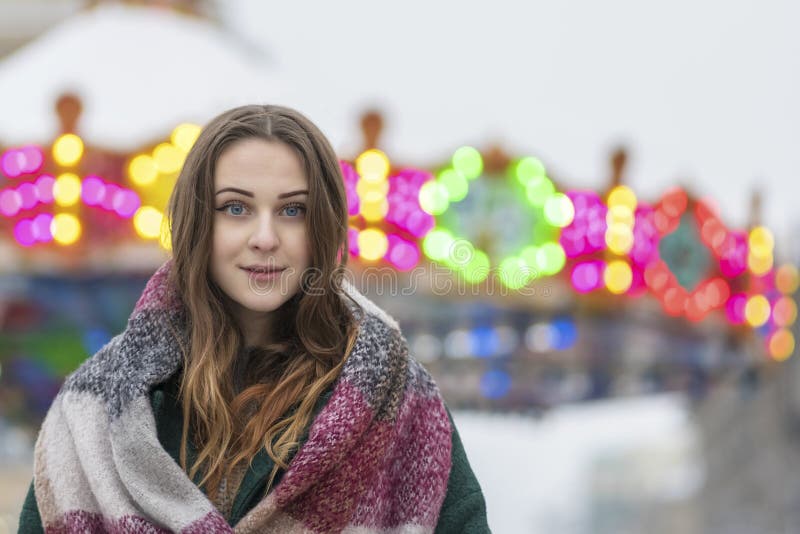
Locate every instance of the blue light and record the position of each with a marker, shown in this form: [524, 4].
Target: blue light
[485, 342]
[495, 384]
[565, 333]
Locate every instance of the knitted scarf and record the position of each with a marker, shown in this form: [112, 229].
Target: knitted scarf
[377, 458]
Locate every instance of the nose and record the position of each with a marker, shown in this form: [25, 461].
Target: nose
[263, 235]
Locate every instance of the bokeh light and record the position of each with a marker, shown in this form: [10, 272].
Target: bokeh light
[65, 228]
[787, 279]
[168, 158]
[372, 244]
[781, 344]
[784, 311]
[528, 169]
[618, 277]
[372, 165]
[558, 210]
[67, 189]
[147, 222]
[434, 198]
[468, 161]
[185, 135]
[68, 150]
[142, 170]
[757, 310]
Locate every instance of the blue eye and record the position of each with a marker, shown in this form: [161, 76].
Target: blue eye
[294, 210]
[233, 208]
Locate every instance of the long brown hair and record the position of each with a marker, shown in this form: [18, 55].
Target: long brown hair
[288, 376]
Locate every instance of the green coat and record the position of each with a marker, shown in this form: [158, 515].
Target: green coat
[463, 510]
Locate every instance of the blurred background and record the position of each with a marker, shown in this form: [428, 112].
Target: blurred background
[583, 215]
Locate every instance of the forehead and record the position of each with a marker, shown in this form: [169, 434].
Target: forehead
[261, 166]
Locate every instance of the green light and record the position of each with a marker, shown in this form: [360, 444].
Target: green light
[477, 269]
[514, 272]
[434, 197]
[455, 183]
[530, 255]
[551, 258]
[539, 189]
[460, 254]
[558, 210]
[468, 162]
[436, 244]
[528, 169]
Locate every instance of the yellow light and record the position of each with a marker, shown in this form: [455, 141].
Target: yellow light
[168, 158]
[618, 277]
[620, 215]
[787, 279]
[147, 222]
[68, 150]
[372, 165]
[622, 196]
[374, 211]
[619, 238]
[759, 265]
[761, 242]
[756, 311]
[66, 228]
[184, 136]
[365, 189]
[142, 170]
[67, 189]
[781, 345]
[372, 244]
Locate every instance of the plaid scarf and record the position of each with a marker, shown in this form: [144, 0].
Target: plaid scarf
[377, 458]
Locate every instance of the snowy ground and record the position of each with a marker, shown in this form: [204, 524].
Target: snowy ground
[536, 474]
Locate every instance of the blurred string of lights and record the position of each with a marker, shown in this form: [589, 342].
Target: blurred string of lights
[386, 219]
[677, 250]
[528, 212]
[47, 202]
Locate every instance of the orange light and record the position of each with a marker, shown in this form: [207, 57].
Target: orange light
[781, 345]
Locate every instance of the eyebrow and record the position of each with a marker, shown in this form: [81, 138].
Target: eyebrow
[251, 195]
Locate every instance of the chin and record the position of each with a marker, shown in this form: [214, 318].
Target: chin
[264, 303]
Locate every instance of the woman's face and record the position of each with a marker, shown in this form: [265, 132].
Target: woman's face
[261, 247]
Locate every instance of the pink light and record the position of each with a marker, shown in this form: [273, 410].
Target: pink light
[353, 204]
[12, 163]
[27, 192]
[93, 190]
[586, 233]
[348, 173]
[733, 258]
[352, 241]
[126, 202]
[107, 202]
[735, 307]
[44, 188]
[41, 227]
[573, 242]
[419, 223]
[33, 157]
[402, 254]
[588, 276]
[10, 202]
[638, 284]
[23, 233]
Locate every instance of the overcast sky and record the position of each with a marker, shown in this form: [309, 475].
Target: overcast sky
[704, 93]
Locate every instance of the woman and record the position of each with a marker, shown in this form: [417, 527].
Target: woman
[253, 390]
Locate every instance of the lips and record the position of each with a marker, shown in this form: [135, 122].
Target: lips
[262, 269]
